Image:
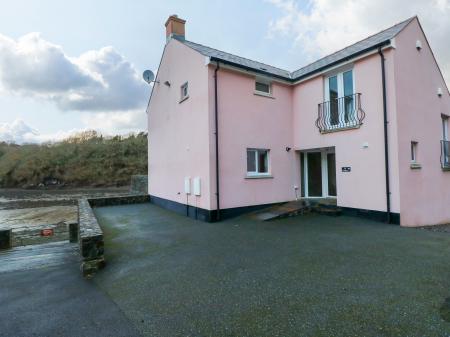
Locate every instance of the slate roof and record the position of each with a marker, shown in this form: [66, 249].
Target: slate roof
[237, 60]
[363, 46]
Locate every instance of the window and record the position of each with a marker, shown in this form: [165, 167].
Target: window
[263, 87]
[184, 92]
[445, 144]
[444, 128]
[257, 162]
[413, 152]
[340, 100]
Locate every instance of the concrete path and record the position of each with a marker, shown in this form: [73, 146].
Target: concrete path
[43, 294]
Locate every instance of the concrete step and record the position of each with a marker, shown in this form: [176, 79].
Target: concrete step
[331, 211]
[298, 207]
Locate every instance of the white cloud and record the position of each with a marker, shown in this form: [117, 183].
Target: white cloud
[19, 132]
[106, 123]
[324, 26]
[123, 122]
[98, 80]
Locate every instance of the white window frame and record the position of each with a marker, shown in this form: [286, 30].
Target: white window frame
[266, 82]
[256, 152]
[182, 89]
[340, 84]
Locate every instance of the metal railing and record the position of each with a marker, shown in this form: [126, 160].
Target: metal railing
[445, 154]
[340, 113]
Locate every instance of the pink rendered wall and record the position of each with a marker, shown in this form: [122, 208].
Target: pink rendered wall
[179, 132]
[250, 121]
[364, 186]
[425, 196]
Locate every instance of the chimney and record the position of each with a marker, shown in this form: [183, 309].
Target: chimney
[175, 27]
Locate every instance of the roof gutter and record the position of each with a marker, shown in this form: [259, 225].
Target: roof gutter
[386, 144]
[346, 59]
[308, 75]
[253, 70]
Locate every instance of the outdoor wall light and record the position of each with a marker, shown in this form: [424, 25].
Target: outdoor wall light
[288, 149]
[418, 45]
[167, 83]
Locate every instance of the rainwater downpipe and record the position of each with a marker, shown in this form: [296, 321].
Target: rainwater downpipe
[216, 120]
[386, 144]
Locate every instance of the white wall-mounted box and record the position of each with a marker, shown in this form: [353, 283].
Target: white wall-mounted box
[197, 186]
[187, 185]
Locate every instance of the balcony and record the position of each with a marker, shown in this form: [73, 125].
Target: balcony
[445, 154]
[340, 114]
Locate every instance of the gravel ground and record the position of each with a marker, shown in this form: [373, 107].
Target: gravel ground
[304, 276]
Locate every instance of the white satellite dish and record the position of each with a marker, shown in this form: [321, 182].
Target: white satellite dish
[148, 76]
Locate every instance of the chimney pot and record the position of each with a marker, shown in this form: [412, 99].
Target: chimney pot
[175, 27]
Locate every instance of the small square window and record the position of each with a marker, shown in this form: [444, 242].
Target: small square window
[263, 87]
[184, 91]
[257, 162]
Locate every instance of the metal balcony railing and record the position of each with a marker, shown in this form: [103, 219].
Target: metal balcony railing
[340, 113]
[445, 154]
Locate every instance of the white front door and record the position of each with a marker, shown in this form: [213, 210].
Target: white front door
[319, 174]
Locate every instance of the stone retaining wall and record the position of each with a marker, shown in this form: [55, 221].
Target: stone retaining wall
[139, 184]
[32, 235]
[90, 239]
[90, 235]
[120, 200]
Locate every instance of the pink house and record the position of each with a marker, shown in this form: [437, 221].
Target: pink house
[367, 125]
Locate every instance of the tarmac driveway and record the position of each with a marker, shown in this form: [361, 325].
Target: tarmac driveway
[43, 294]
[304, 276]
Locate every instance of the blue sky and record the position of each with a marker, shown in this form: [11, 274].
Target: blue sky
[283, 33]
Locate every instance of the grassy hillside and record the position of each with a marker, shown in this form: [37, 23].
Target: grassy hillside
[86, 159]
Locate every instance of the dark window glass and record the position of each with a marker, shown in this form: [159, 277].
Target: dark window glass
[302, 175]
[334, 108]
[348, 83]
[262, 162]
[184, 90]
[263, 87]
[251, 162]
[314, 174]
[331, 163]
[348, 93]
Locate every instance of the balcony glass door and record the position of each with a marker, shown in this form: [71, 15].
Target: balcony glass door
[339, 90]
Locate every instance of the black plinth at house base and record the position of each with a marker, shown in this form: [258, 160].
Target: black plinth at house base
[227, 213]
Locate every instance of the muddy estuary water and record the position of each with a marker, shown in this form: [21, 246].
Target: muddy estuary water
[28, 212]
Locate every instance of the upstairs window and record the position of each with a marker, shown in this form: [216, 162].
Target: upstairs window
[257, 162]
[263, 87]
[184, 92]
[445, 128]
[413, 152]
[414, 161]
[340, 100]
